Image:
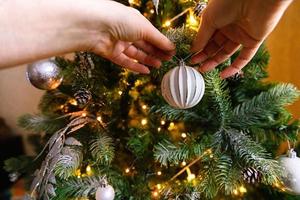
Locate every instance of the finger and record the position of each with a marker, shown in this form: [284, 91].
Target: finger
[157, 39]
[128, 63]
[211, 48]
[142, 57]
[150, 49]
[237, 34]
[205, 33]
[228, 50]
[241, 61]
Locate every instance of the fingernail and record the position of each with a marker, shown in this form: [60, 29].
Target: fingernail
[146, 71]
[157, 64]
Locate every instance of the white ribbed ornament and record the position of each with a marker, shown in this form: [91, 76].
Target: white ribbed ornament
[183, 87]
[291, 165]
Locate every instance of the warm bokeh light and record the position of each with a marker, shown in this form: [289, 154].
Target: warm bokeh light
[144, 122]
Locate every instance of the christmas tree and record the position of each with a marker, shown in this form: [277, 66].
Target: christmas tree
[108, 133]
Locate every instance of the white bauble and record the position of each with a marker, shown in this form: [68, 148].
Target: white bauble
[105, 193]
[291, 165]
[183, 87]
[44, 74]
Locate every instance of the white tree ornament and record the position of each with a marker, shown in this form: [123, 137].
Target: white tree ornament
[291, 165]
[183, 87]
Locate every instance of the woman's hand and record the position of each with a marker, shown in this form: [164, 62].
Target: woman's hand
[229, 24]
[36, 29]
[129, 39]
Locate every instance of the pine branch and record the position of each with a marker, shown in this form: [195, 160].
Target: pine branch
[139, 142]
[170, 113]
[166, 152]
[262, 110]
[68, 162]
[102, 149]
[227, 176]
[40, 123]
[256, 69]
[51, 101]
[207, 183]
[78, 188]
[182, 38]
[251, 154]
[216, 89]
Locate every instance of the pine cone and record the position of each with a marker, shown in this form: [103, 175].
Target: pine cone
[199, 8]
[83, 96]
[252, 175]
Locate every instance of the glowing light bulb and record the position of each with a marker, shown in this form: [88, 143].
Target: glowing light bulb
[167, 23]
[144, 122]
[211, 155]
[155, 194]
[235, 192]
[84, 114]
[127, 170]
[78, 173]
[242, 189]
[144, 107]
[62, 106]
[158, 129]
[183, 163]
[158, 186]
[191, 177]
[159, 173]
[88, 170]
[183, 135]
[99, 118]
[162, 122]
[152, 11]
[120, 92]
[191, 21]
[208, 151]
[73, 102]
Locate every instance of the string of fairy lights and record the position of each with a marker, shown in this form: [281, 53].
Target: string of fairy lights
[193, 23]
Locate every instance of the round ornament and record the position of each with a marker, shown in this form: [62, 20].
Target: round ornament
[106, 192]
[44, 74]
[291, 165]
[183, 87]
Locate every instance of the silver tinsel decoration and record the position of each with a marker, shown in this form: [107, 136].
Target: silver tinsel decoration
[44, 74]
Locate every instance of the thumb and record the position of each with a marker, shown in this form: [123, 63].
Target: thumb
[204, 34]
[157, 39]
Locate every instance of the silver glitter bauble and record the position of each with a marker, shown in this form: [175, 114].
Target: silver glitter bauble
[44, 74]
[105, 193]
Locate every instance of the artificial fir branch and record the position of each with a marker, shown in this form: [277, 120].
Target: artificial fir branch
[219, 95]
[250, 153]
[263, 109]
[102, 149]
[68, 162]
[171, 114]
[39, 123]
[74, 187]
